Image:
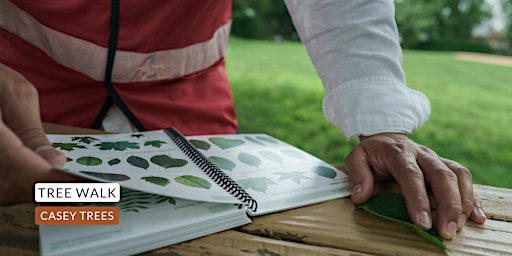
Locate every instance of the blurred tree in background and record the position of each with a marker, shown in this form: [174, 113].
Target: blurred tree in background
[423, 24]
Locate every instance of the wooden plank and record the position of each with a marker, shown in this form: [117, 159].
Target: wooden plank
[337, 224]
[497, 202]
[238, 243]
[18, 233]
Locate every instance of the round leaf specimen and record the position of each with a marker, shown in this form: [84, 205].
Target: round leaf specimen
[249, 159]
[200, 144]
[160, 181]
[222, 163]
[193, 181]
[107, 176]
[89, 161]
[166, 161]
[325, 172]
[138, 162]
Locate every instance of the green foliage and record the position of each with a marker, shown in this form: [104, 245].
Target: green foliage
[470, 119]
[117, 145]
[67, 146]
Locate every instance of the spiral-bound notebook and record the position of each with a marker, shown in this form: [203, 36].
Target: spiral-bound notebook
[196, 185]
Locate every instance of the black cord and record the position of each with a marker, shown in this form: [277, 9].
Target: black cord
[113, 97]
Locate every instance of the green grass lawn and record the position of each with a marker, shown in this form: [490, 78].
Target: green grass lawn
[277, 91]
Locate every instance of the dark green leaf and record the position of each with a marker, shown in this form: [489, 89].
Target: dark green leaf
[107, 176]
[89, 161]
[157, 180]
[67, 146]
[166, 161]
[325, 172]
[119, 145]
[155, 143]
[391, 206]
[193, 181]
[200, 144]
[249, 159]
[226, 143]
[138, 162]
[86, 139]
[114, 161]
[222, 163]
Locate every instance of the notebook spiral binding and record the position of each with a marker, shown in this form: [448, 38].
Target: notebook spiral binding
[211, 169]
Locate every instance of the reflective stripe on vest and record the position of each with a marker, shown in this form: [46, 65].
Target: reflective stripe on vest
[89, 59]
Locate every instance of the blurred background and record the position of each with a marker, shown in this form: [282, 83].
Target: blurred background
[458, 52]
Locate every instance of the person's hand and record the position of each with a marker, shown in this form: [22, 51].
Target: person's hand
[416, 168]
[26, 155]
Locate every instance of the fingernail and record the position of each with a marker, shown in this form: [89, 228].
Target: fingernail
[480, 212]
[356, 189]
[450, 230]
[461, 222]
[424, 220]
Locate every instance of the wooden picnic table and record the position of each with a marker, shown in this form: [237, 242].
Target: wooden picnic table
[330, 228]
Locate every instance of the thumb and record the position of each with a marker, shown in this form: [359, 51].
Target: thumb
[360, 176]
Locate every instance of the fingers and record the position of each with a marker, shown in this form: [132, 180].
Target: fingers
[360, 176]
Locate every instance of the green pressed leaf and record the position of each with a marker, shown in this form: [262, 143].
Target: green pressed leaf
[271, 156]
[89, 161]
[67, 146]
[162, 199]
[293, 153]
[267, 139]
[193, 181]
[226, 143]
[222, 163]
[200, 144]
[155, 143]
[113, 161]
[157, 180]
[166, 161]
[249, 159]
[138, 162]
[86, 139]
[68, 159]
[118, 145]
[293, 176]
[325, 172]
[259, 184]
[391, 206]
[107, 176]
[253, 140]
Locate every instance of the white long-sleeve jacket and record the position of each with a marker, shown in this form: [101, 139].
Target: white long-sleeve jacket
[355, 48]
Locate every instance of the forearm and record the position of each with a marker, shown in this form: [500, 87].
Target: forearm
[354, 46]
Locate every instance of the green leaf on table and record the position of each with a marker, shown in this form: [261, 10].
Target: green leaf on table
[89, 161]
[200, 144]
[160, 181]
[325, 172]
[85, 139]
[259, 184]
[271, 156]
[193, 181]
[222, 163]
[138, 162]
[155, 143]
[118, 145]
[267, 139]
[114, 161]
[226, 143]
[391, 206]
[166, 161]
[107, 176]
[161, 199]
[249, 159]
[67, 146]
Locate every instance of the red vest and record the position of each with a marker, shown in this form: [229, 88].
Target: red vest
[169, 65]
